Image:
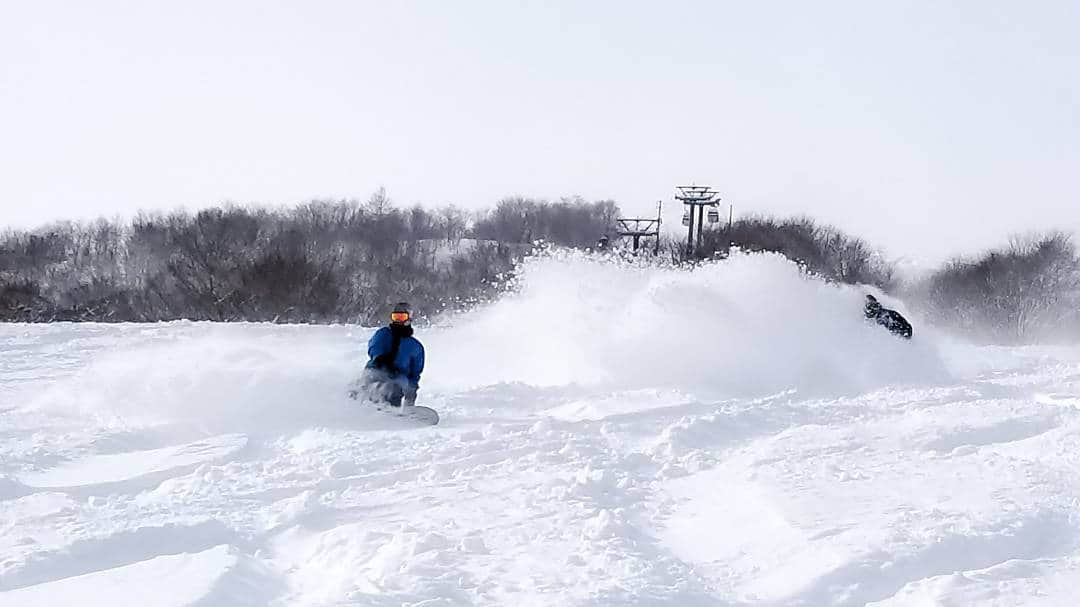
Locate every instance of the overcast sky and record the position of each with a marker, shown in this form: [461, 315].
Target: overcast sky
[928, 128]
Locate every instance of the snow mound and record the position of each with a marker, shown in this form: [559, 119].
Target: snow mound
[119, 467]
[217, 576]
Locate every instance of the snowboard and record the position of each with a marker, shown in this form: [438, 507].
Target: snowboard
[369, 400]
[417, 413]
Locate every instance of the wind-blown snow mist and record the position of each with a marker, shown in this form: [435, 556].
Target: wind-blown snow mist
[751, 324]
[213, 377]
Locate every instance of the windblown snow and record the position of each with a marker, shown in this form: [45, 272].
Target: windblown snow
[612, 434]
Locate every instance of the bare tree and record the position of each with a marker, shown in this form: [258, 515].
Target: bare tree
[1025, 292]
[379, 203]
[570, 222]
[821, 249]
[453, 223]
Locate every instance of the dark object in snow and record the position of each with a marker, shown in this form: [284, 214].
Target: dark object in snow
[890, 319]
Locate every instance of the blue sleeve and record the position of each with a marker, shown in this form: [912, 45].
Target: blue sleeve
[379, 343]
[417, 365]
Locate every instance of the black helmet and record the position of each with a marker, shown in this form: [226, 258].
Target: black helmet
[401, 314]
[872, 305]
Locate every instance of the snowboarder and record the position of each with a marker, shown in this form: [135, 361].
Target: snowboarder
[890, 319]
[396, 360]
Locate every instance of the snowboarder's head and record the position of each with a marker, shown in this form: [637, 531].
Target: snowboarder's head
[872, 306]
[401, 314]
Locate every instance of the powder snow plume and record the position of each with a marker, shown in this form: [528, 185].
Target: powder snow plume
[752, 324]
[210, 376]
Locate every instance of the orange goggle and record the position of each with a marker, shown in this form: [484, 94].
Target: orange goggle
[399, 316]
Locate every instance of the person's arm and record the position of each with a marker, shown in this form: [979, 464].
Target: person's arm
[417, 365]
[377, 344]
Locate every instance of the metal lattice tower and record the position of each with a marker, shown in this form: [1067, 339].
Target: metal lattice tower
[638, 228]
[696, 198]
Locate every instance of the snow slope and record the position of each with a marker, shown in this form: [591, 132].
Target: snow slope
[612, 435]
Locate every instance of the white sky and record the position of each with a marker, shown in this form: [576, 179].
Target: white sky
[928, 128]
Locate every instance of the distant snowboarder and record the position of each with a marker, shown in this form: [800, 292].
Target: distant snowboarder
[890, 319]
[396, 360]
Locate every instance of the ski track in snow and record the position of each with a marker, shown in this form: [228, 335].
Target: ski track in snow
[222, 463]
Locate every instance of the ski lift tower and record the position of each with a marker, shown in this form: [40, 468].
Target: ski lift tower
[638, 228]
[696, 198]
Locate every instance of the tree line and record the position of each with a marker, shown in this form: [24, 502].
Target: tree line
[323, 261]
[346, 261]
[1025, 292]
[820, 249]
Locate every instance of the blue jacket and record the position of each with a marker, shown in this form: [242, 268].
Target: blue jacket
[409, 362]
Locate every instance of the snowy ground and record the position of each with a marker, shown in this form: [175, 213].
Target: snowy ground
[611, 436]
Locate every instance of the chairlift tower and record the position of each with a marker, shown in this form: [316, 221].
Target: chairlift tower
[638, 228]
[697, 198]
